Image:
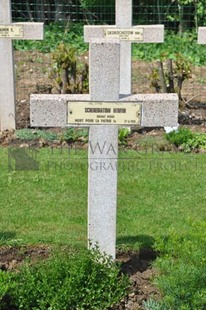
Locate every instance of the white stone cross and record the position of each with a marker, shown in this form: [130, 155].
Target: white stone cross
[148, 34]
[54, 111]
[201, 35]
[9, 31]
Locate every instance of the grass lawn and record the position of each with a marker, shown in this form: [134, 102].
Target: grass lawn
[156, 193]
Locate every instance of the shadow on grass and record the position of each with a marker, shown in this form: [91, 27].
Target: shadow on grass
[6, 236]
[135, 253]
[139, 241]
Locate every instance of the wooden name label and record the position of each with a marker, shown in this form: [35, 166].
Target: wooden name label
[104, 113]
[124, 34]
[14, 31]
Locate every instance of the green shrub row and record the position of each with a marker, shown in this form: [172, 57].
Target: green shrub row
[72, 34]
[173, 44]
[86, 280]
[187, 139]
[70, 135]
[54, 34]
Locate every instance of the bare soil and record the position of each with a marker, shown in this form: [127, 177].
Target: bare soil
[34, 75]
[137, 265]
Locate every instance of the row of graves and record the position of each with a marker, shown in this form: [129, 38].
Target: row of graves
[108, 105]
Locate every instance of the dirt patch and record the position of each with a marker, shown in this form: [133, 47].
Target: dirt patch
[12, 257]
[136, 265]
[34, 75]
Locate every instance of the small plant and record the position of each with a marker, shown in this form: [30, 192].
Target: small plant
[30, 134]
[69, 78]
[188, 140]
[179, 137]
[169, 75]
[75, 134]
[152, 305]
[87, 280]
[123, 135]
[198, 141]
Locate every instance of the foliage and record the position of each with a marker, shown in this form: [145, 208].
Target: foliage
[187, 139]
[168, 76]
[178, 14]
[55, 33]
[31, 134]
[69, 76]
[182, 135]
[198, 141]
[152, 304]
[5, 284]
[71, 135]
[174, 43]
[85, 280]
[72, 35]
[123, 135]
[76, 134]
[182, 266]
[53, 11]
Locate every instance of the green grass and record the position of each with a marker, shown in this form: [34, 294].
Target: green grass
[45, 206]
[156, 192]
[161, 203]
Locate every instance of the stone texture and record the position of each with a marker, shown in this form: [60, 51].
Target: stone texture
[123, 9]
[102, 187]
[152, 33]
[7, 87]
[104, 71]
[7, 91]
[158, 110]
[103, 148]
[124, 20]
[51, 110]
[32, 31]
[201, 35]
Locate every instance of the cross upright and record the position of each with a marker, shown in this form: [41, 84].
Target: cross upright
[103, 106]
[144, 34]
[103, 110]
[8, 32]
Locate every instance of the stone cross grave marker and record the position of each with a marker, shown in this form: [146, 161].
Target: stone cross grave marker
[201, 35]
[127, 34]
[102, 111]
[8, 32]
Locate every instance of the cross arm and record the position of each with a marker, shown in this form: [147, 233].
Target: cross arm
[51, 110]
[201, 35]
[158, 110]
[27, 31]
[151, 33]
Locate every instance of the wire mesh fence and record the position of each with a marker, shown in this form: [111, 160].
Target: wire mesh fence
[174, 14]
[34, 67]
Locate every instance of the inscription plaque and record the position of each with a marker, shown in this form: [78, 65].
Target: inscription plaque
[104, 113]
[125, 34]
[11, 31]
